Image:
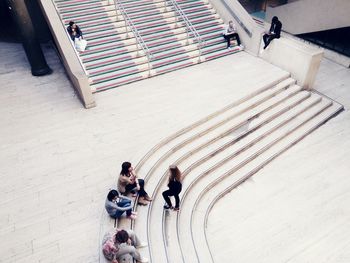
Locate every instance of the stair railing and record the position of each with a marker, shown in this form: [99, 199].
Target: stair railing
[190, 29]
[139, 40]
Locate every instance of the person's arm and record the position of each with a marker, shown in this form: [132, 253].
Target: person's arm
[124, 208]
[224, 32]
[126, 249]
[120, 208]
[80, 32]
[123, 197]
[125, 179]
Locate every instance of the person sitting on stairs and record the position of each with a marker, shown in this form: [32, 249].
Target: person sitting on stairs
[274, 32]
[121, 246]
[230, 33]
[117, 204]
[128, 182]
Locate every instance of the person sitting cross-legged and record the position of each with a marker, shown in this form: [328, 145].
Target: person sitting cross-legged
[117, 204]
[230, 33]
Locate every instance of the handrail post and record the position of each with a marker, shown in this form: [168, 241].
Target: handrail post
[140, 44]
[149, 66]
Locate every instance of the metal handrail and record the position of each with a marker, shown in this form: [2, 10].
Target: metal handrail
[189, 27]
[139, 40]
[72, 42]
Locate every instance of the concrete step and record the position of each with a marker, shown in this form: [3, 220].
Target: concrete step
[102, 11]
[208, 170]
[209, 124]
[155, 214]
[110, 59]
[265, 125]
[158, 165]
[288, 137]
[107, 51]
[66, 9]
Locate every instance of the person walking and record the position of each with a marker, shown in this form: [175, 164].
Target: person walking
[175, 187]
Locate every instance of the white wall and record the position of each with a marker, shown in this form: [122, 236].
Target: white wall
[306, 16]
[301, 60]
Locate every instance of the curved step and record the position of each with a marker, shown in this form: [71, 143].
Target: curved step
[242, 148]
[306, 127]
[153, 181]
[155, 214]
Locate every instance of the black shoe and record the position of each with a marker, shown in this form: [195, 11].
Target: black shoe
[168, 207]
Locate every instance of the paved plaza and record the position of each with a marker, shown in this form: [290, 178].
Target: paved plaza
[58, 161]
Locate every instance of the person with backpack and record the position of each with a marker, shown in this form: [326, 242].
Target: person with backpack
[121, 246]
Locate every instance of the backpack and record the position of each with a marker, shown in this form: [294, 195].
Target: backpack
[108, 247]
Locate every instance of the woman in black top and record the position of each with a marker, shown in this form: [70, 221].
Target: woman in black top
[74, 31]
[175, 187]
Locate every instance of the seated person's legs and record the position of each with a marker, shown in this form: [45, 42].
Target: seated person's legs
[227, 38]
[232, 36]
[265, 38]
[123, 204]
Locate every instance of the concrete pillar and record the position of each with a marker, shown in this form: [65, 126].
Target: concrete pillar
[21, 17]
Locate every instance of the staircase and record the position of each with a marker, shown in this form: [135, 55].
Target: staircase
[217, 154]
[114, 57]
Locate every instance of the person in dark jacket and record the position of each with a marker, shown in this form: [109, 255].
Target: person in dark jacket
[74, 31]
[274, 32]
[175, 187]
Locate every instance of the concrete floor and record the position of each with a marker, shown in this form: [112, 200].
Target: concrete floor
[58, 160]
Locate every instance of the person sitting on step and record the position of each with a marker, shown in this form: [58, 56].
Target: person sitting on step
[129, 182]
[117, 204]
[74, 31]
[230, 33]
[121, 246]
[175, 187]
[274, 32]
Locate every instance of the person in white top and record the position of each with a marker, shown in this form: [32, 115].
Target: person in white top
[230, 33]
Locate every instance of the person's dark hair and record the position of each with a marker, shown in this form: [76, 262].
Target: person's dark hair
[112, 194]
[175, 173]
[274, 19]
[71, 23]
[125, 168]
[122, 236]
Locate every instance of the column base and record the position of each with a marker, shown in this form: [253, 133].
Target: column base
[41, 72]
